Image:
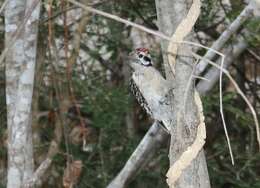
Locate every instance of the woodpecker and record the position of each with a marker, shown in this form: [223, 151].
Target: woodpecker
[149, 87]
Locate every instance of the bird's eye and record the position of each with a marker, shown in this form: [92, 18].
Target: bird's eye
[147, 59]
[140, 55]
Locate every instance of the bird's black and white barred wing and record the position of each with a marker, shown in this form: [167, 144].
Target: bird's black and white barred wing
[139, 97]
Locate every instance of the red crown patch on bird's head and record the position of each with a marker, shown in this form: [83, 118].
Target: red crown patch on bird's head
[144, 50]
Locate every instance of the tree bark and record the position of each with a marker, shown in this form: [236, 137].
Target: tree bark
[20, 63]
[185, 120]
[151, 142]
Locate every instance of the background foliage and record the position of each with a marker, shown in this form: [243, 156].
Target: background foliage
[102, 97]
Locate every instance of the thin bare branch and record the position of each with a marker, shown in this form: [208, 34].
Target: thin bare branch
[225, 36]
[222, 113]
[18, 32]
[257, 57]
[3, 6]
[239, 91]
[113, 17]
[38, 173]
[201, 78]
[138, 26]
[212, 74]
[41, 170]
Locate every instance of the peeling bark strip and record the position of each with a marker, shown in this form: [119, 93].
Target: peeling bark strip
[186, 158]
[20, 64]
[256, 6]
[192, 151]
[194, 173]
[183, 29]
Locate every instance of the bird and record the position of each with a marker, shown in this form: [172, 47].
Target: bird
[149, 87]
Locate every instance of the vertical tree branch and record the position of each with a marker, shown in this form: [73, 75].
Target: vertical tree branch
[20, 64]
[185, 120]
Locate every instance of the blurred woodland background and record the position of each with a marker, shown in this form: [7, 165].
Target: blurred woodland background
[81, 97]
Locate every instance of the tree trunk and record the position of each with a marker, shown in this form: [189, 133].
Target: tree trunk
[20, 63]
[185, 120]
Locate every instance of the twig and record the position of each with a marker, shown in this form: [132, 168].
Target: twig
[138, 26]
[113, 17]
[213, 74]
[38, 173]
[52, 151]
[57, 14]
[41, 170]
[257, 57]
[221, 100]
[3, 6]
[225, 36]
[222, 113]
[240, 92]
[18, 32]
[71, 61]
[200, 77]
